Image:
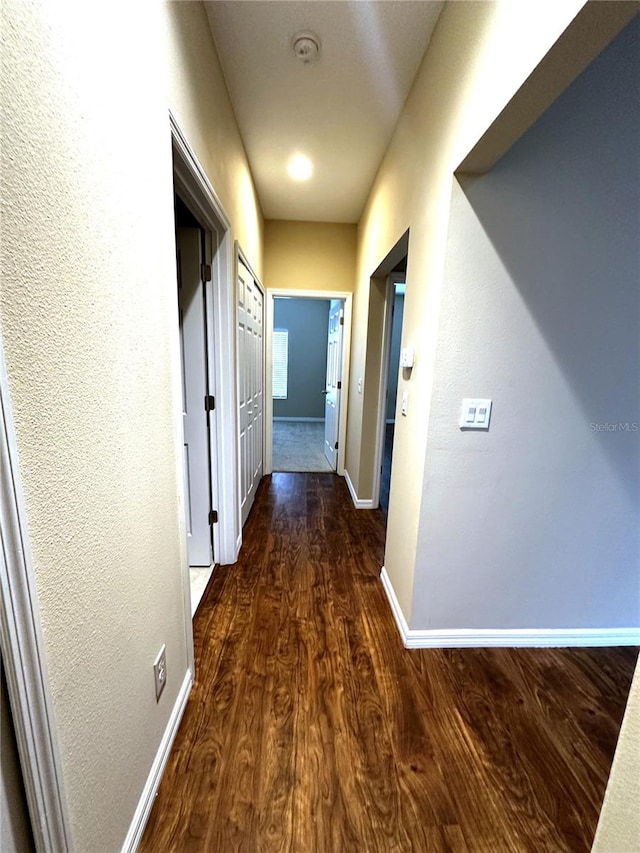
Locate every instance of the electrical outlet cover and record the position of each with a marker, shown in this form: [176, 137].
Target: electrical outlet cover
[160, 671]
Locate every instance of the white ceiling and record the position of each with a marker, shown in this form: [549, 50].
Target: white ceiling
[340, 111]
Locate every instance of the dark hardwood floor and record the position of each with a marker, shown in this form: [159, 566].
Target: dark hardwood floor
[311, 730]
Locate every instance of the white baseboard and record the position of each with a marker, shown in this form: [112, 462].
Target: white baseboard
[398, 615]
[358, 504]
[507, 637]
[157, 768]
[300, 420]
[522, 638]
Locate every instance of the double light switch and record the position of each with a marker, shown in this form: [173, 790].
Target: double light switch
[475, 414]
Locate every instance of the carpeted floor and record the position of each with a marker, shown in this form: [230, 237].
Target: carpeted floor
[299, 446]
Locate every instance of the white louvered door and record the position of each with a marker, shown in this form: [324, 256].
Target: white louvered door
[250, 385]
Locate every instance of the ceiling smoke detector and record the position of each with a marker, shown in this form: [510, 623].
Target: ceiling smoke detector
[306, 47]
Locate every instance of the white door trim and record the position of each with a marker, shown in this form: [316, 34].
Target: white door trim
[392, 279]
[347, 299]
[23, 652]
[196, 191]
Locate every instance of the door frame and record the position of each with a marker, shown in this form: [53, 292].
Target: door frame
[387, 324]
[194, 188]
[347, 300]
[23, 654]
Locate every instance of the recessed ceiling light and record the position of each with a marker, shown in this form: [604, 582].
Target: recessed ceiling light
[300, 168]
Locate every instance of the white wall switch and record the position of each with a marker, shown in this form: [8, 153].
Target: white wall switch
[405, 403]
[475, 413]
[407, 356]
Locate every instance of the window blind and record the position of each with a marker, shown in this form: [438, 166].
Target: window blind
[280, 352]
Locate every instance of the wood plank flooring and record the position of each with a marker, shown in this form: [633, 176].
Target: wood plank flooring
[311, 730]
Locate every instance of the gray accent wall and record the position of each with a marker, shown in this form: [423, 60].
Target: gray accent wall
[536, 523]
[307, 321]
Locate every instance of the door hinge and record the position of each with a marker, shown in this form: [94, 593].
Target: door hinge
[336, 446]
[209, 403]
[342, 321]
[213, 516]
[339, 386]
[205, 272]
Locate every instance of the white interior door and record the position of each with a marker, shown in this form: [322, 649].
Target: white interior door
[193, 349]
[334, 384]
[251, 385]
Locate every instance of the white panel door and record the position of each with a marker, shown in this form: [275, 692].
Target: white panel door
[193, 348]
[334, 384]
[251, 385]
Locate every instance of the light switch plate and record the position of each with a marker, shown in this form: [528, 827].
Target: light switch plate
[475, 413]
[407, 356]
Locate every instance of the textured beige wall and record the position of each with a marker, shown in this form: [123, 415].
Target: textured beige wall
[199, 100]
[89, 325]
[619, 825]
[88, 314]
[479, 55]
[309, 255]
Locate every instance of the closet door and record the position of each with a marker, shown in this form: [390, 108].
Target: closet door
[250, 385]
[193, 354]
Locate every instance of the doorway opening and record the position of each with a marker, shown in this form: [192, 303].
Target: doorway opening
[196, 347]
[382, 379]
[307, 352]
[391, 359]
[214, 474]
[299, 387]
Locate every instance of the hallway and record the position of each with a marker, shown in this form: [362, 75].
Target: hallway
[310, 729]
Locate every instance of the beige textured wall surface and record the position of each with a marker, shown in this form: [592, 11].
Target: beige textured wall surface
[199, 100]
[309, 255]
[88, 312]
[619, 825]
[479, 55]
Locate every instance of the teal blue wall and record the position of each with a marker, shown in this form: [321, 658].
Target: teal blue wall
[307, 321]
